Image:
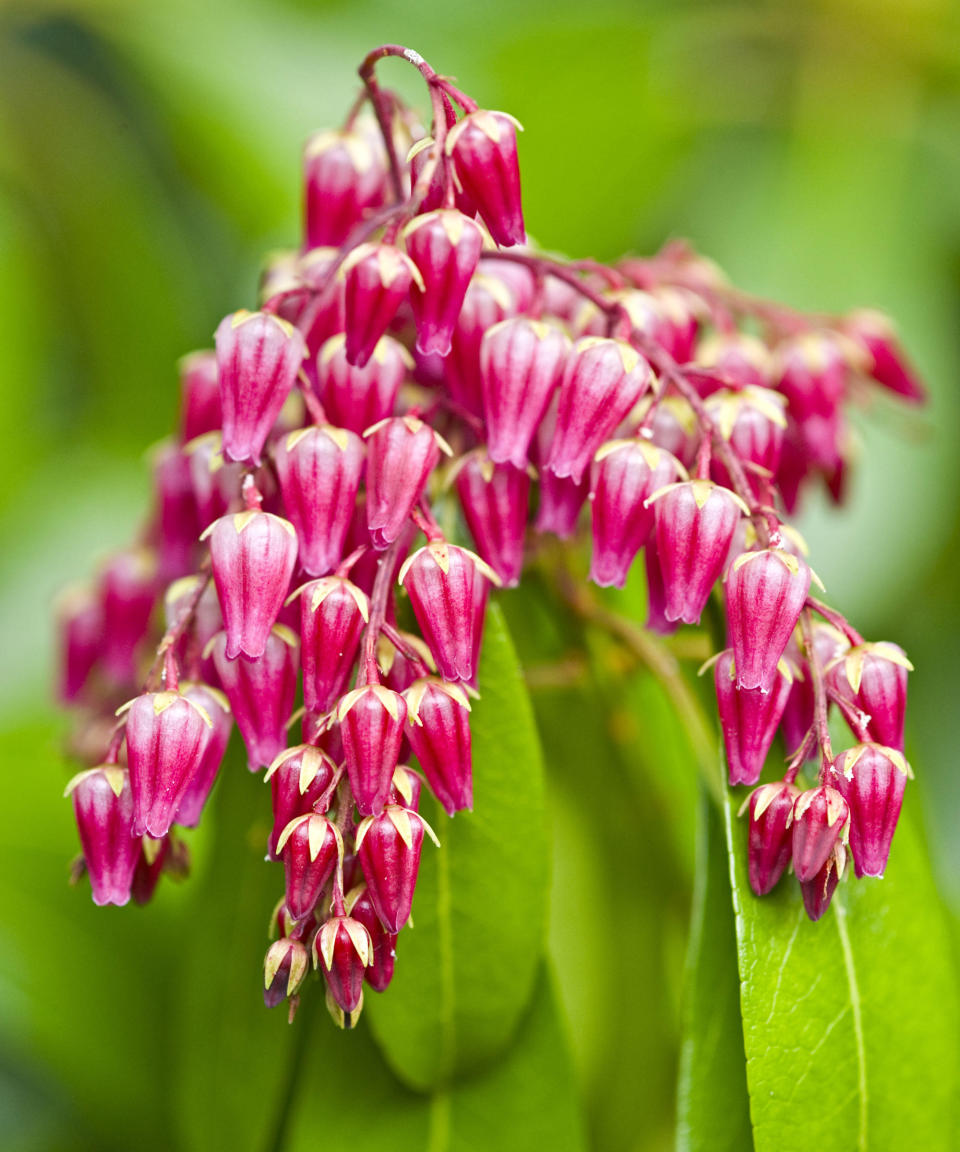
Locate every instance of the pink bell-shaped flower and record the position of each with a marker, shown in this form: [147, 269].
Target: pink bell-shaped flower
[319, 470]
[285, 968]
[438, 728]
[821, 818]
[357, 397]
[333, 614]
[216, 706]
[873, 677]
[402, 452]
[167, 736]
[128, 591]
[488, 301]
[344, 178]
[103, 807]
[484, 149]
[495, 499]
[440, 580]
[871, 779]
[765, 594]
[749, 717]
[310, 847]
[819, 889]
[379, 971]
[770, 837]
[342, 950]
[887, 362]
[371, 724]
[302, 780]
[388, 846]
[602, 380]
[258, 358]
[199, 395]
[445, 245]
[378, 278]
[80, 632]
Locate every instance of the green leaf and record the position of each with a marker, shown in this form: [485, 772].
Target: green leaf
[850, 1025]
[713, 1113]
[466, 970]
[527, 1100]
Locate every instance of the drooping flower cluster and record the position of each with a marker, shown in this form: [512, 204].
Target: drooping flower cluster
[414, 347]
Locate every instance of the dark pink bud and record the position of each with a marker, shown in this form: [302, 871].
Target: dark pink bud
[819, 890]
[389, 849]
[873, 677]
[753, 422]
[484, 150]
[302, 780]
[602, 381]
[371, 724]
[765, 594]
[379, 971]
[214, 483]
[495, 499]
[521, 365]
[103, 806]
[199, 395]
[128, 590]
[887, 361]
[81, 636]
[679, 324]
[820, 819]
[344, 178]
[445, 245]
[154, 855]
[407, 786]
[656, 593]
[674, 427]
[333, 614]
[377, 281]
[356, 398]
[258, 358]
[252, 555]
[871, 779]
[734, 359]
[176, 521]
[342, 949]
[319, 470]
[749, 717]
[696, 522]
[310, 847]
[487, 302]
[440, 580]
[215, 704]
[167, 735]
[625, 475]
[813, 370]
[402, 453]
[434, 196]
[261, 693]
[438, 727]
[770, 837]
[285, 968]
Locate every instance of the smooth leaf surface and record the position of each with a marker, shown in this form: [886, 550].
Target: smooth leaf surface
[465, 971]
[850, 1025]
[349, 1098]
[713, 1113]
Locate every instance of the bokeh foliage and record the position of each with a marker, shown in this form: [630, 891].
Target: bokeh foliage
[148, 157]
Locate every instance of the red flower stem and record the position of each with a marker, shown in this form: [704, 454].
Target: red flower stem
[423, 518]
[801, 754]
[379, 598]
[836, 619]
[820, 721]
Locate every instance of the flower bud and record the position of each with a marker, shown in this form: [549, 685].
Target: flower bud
[261, 693]
[521, 366]
[81, 634]
[285, 968]
[252, 555]
[484, 149]
[749, 717]
[302, 780]
[215, 704]
[176, 521]
[770, 837]
[495, 499]
[602, 381]
[310, 847]
[445, 245]
[258, 358]
[342, 949]
[734, 359]
[402, 453]
[319, 470]
[103, 807]
[333, 614]
[199, 395]
[389, 849]
[487, 302]
[820, 819]
[206, 622]
[818, 891]
[656, 593]
[873, 677]
[357, 397]
[765, 594]
[440, 580]
[887, 363]
[813, 370]
[438, 728]
[214, 483]
[434, 197]
[167, 735]
[561, 499]
[379, 971]
[377, 281]
[752, 421]
[695, 523]
[344, 178]
[625, 474]
[371, 724]
[128, 590]
[871, 779]
[406, 789]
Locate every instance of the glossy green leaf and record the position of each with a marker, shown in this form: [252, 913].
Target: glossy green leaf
[713, 1113]
[466, 970]
[850, 1025]
[347, 1097]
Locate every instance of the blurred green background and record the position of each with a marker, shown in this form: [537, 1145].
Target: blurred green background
[149, 156]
